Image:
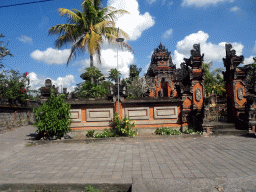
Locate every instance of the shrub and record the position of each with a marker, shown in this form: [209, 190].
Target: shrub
[105, 133]
[90, 133]
[123, 127]
[53, 117]
[167, 131]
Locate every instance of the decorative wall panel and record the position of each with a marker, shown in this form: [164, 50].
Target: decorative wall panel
[165, 112]
[137, 112]
[101, 114]
[75, 115]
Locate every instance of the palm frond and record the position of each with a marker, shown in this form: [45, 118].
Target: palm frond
[123, 34]
[73, 17]
[76, 48]
[114, 14]
[217, 71]
[61, 29]
[102, 25]
[95, 40]
[86, 40]
[127, 46]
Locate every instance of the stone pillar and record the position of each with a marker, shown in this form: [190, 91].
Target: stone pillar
[120, 108]
[196, 85]
[233, 83]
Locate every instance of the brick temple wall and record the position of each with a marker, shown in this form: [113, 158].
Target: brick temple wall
[98, 114]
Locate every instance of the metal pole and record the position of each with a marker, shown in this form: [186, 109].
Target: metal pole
[119, 40]
[117, 83]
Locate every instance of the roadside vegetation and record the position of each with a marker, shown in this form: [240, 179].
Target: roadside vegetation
[122, 128]
[169, 131]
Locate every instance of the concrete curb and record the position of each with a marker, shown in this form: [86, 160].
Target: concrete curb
[74, 187]
[111, 139]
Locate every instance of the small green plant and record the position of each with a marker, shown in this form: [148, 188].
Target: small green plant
[167, 131]
[106, 133]
[192, 131]
[29, 144]
[123, 127]
[53, 117]
[90, 133]
[91, 189]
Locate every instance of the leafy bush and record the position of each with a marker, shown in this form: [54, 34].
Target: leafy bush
[53, 117]
[90, 133]
[123, 127]
[167, 131]
[192, 131]
[106, 133]
[89, 90]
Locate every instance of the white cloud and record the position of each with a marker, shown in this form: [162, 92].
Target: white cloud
[145, 69]
[212, 52]
[150, 54]
[38, 82]
[51, 56]
[134, 23]
[248, 60]
[168, 33]
[201, 3]
[178, 58]
[235, 9]
[25, 39]
[109, 61]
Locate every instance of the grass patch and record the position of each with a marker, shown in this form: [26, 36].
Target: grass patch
[167, 131]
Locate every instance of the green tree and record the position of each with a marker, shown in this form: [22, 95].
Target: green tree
[4, 52]
[88, 28]
[252, 70]
[214, 82]
[113, 74]
[134, 72]
[89, 90]
[91, 74]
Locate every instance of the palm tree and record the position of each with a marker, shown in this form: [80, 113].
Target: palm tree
[214, 82]
[88, 29]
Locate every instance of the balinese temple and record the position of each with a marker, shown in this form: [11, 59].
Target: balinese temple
[161, 70]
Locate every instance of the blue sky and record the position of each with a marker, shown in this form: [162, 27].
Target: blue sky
[177, 24]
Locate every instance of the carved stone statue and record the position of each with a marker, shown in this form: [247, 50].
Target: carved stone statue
[162, 93]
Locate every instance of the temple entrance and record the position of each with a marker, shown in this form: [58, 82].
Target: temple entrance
[164, 89]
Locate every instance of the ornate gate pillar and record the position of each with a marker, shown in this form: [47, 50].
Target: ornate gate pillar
[197, 90]
[235, 86]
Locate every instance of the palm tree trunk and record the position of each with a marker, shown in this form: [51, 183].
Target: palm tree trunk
[91, 65]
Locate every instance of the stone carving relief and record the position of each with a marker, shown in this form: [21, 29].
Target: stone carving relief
[198, 94]
[240, 95]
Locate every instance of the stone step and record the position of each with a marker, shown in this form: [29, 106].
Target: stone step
[225, 126]
[229, 131]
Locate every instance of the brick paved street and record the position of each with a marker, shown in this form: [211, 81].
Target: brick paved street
[140, 160]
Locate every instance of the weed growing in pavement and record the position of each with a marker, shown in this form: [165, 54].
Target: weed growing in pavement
[90, 133]
[105, 133]
[167, 131]
[29, 144]
[91, 189]
[192, 132]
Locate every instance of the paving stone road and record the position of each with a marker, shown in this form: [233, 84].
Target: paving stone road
[162, 164]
